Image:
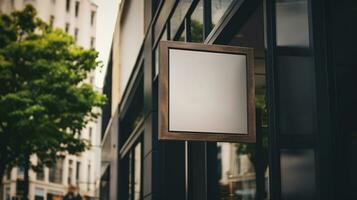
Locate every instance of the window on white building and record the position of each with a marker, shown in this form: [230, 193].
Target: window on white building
[52, 20]
[7, 193]
[12, 4]
[8, 174]
[68, 5]
[90, 134]
[70, 172]
[56, 171]
[76, 31]
[92, 42]
[67, 27]
[39, 194]
[40, 175]
[91, 80]
[89, 176]
[78, 171]
[21, 172]
[77, 8]
[92, 17]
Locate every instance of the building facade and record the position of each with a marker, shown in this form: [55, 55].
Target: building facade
[77, 18]
[304, 80]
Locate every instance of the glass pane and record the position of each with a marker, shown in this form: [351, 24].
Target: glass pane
[292, 24]
[208, 92]
[137, 172]
[40, 174]
[243, 169]
[55, 172]
[219, 7]
[20, 172]
[78, 171]
[7, 192]
[179, 15]
[197, 23]
[296, 95]
[298, 174]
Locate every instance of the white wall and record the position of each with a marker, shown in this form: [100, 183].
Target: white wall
[131, 38]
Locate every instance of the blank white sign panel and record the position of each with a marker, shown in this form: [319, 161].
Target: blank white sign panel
[207, 92]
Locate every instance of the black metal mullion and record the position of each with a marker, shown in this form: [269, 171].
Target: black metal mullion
[132, 152]
[325, 148]
[188, 29]
[274, 153]
[259, 159]
[207, 18]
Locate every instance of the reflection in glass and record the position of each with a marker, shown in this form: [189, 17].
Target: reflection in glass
[298, 174]
[236, 172]
[219, 7]
[292, 26]
[197, 23]
[243, 168]
[137, 172]
[179, 15]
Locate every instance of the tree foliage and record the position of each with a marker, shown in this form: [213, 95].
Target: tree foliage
[44, 100]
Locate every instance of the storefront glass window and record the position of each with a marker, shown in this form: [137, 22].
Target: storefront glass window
[243, 171]
[292, 25]
[295, 68]
[218, 8]
[179, 15]
[197, 23]
[298, 174]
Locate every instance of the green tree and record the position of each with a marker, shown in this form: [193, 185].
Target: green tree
[44, 100]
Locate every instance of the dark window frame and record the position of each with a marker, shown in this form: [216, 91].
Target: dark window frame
[76, 10]
[68, 5]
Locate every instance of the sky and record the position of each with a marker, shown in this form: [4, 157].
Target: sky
[106, 18]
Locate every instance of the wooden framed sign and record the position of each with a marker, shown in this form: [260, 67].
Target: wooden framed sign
[206, 92]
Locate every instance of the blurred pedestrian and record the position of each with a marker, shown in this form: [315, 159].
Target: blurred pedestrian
[72, 194]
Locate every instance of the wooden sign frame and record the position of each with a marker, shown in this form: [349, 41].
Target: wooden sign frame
[163, 86]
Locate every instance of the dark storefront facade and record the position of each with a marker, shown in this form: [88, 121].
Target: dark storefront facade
[304, 81]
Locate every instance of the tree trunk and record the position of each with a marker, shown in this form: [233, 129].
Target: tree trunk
[26, 178]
